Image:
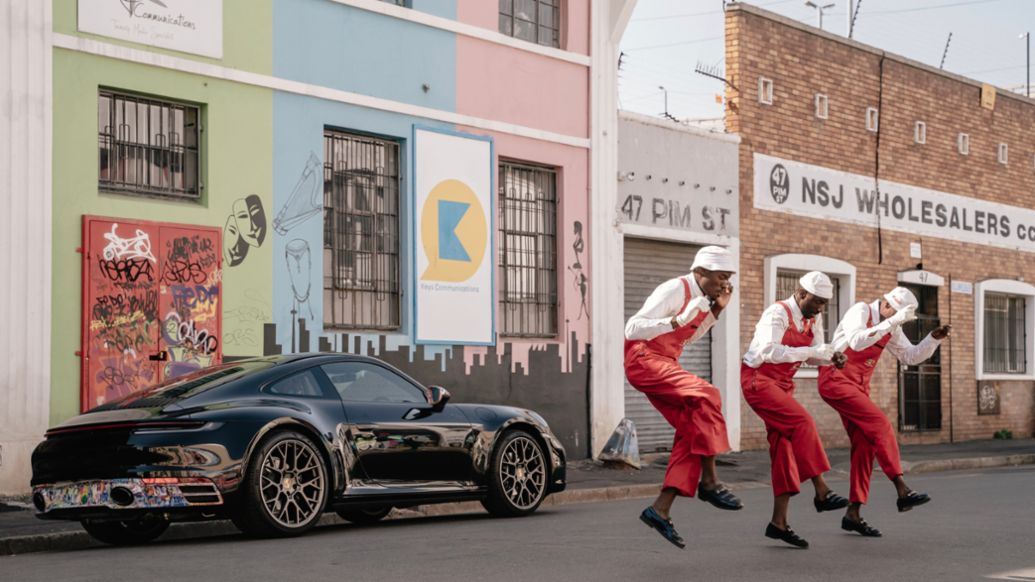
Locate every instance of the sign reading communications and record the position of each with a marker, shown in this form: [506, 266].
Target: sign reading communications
[189, 26]
[817, 192]
[455, 301]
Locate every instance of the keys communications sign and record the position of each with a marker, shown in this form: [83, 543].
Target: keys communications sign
[189, 26]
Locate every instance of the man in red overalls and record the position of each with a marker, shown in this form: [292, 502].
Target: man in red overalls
[789, 334]
[863, 335]
[678, 312]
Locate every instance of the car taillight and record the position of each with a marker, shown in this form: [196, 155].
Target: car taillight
[157, 424]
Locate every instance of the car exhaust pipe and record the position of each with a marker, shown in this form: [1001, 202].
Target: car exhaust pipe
[122, 496]
[38, 502]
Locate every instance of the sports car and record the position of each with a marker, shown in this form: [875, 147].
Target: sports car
[273, 443]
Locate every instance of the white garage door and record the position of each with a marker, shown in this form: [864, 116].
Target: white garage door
[648, 264]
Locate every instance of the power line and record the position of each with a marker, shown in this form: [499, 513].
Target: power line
[936, 7]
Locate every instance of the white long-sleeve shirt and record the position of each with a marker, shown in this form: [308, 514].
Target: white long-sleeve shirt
[853, 333]
[655, 317]
[767, 345]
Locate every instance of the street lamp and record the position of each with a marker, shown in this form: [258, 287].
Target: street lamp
[819, 10]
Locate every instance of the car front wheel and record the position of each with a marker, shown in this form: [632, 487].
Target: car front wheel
[127, 533]
[285, 489]
[517, 483]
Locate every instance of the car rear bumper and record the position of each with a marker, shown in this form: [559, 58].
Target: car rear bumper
[74, 500]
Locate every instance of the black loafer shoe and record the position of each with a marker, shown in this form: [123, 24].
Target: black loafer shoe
[860, 527]
[831, 502]
[911, 500]
[785, 535]
[720, 497]
[662, 526]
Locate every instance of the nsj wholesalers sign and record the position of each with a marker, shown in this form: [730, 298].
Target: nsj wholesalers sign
[817, 192]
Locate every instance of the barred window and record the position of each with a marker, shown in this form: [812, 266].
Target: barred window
[1005, 334]
[787, 285]
[528, 250]
[537, 21]
[361, 232]
[148, 146]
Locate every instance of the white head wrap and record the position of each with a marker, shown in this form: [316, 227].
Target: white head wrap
[714, 259]
[900, 298]
[818, 284]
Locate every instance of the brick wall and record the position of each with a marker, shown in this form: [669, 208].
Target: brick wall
[803, 61]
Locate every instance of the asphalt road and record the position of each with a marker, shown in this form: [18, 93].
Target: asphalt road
[979, 526]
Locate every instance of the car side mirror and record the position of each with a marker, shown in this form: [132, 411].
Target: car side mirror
[439, 396]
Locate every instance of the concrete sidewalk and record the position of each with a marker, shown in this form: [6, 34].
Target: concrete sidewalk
[588, 481]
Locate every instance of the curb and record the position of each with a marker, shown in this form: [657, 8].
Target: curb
[74, 540]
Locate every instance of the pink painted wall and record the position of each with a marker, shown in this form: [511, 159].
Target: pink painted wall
[573, 198]
[507, 84]
[574, 20]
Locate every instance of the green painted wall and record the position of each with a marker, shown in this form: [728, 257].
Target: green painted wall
[237, 154]
[247, 34]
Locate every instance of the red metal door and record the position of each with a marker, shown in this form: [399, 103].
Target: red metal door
[190, 303]
[152, 304]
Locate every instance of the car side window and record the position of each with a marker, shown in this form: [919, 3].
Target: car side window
[361, 382]
[302, 384]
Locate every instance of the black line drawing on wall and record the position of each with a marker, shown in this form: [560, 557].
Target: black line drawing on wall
[299, 261]
[245, 228]
[580, 280]
[306, 198]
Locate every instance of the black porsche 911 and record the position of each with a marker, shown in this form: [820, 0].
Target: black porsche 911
[273, 443]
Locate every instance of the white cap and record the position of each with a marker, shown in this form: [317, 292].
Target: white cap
[900, 298]
[818, 284]
[714, 259]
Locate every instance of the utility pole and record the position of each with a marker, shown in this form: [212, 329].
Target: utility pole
[819, 10]
[848, 21]
[1027, 78]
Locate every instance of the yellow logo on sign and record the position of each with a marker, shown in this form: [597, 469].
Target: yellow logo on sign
[453, 231]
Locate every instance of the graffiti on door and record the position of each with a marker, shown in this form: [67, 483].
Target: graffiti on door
[152, 304]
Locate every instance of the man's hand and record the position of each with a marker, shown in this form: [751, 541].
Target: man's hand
[902, 316]
[942, 332]
[691, 310]
[839, 360]
[724, 296]
[823, 352]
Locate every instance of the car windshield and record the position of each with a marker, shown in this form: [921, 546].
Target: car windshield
[187, 385]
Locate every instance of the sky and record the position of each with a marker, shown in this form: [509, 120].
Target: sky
[666, 39]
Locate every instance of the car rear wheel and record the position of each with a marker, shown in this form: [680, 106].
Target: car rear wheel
[285, 489]
[126, 533]
[517, 483]
[365, 515]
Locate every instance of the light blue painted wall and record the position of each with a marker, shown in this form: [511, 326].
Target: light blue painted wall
[337, 46]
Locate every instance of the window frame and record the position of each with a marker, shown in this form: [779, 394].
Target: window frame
[502, 249]
[920, 133]
[872, 119]
[1004, 287]
[963, 144]
[822, 106]
[167, 105]
[844, 271]
[765, 90]
[558, 28]
[1003, 154]
[329, 282]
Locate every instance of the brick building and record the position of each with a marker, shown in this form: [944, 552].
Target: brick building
[883, 171]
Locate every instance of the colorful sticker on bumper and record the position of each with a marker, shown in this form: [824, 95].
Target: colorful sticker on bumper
[98, 494]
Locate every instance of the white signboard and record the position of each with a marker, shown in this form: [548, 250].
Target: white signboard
[817, 192]
[190, 26]
[455, 299]
[964, 287]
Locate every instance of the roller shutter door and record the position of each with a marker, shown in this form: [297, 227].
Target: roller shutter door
[648, 264]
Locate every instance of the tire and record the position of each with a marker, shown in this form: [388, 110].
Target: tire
[365, 515]
[127, 533]
[285, 490]
[517, 482]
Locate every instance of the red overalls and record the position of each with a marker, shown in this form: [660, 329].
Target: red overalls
[794, 446]
[692, 406]
[848, 391]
